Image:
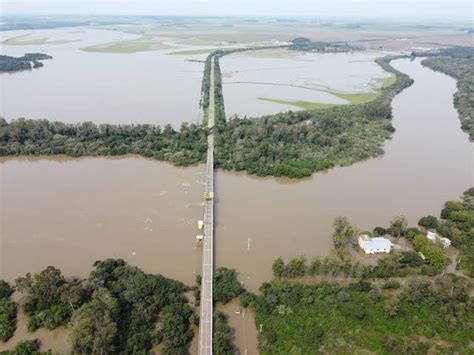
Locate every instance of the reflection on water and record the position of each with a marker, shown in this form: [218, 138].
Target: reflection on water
[69, 213]
[76, 86]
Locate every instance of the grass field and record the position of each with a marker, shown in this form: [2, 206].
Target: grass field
[194, 51]
[305, 105]
[141, 44]
[27, 39]
[363, 97]
[352, 98]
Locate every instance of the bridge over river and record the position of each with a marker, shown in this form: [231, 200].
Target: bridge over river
[206, 315]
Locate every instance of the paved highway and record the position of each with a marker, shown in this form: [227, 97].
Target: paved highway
[205, 326]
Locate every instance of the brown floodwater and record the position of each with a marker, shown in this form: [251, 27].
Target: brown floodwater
[71, 212]
[428, 161]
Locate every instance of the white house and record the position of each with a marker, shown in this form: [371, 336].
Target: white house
[374, 245]
[446, 242]
[435, 237]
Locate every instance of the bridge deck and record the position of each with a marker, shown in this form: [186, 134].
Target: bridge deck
[206, 318]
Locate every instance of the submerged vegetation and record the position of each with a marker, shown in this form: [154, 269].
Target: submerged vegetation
[43, 137]
[457, 62]
[27, 62]
[118, 308]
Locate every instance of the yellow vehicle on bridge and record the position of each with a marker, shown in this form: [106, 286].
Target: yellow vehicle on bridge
[209, 196]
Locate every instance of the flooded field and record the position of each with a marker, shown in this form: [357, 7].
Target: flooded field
[251, 80]
[93, 78]
[71, 212]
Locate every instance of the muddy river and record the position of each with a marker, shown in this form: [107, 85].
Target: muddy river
[71, 212]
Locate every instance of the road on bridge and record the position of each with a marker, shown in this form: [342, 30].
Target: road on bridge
[205, 326]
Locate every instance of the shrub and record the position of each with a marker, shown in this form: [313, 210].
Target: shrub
[428, 222]
[391, 285]
[5, 289]
[226, 285]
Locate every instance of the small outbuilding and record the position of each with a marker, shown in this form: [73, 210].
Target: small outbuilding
[432, 235]
[374, 245]
[435, 237]
[446, 243]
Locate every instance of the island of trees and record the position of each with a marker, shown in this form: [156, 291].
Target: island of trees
[297, 144]
[27, 62]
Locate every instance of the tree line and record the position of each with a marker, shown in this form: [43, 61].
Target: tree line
[457, 62]
[42, 137]
[306, 45]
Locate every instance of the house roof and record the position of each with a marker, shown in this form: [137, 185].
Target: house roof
[377, 243]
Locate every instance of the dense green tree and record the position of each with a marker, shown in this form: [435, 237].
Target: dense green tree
[94, 326]
[457, 224]
[42, 299]
[226, 285]
[7, 319]
[278, 267]
[5, 289]
[428, 222]
[176, 329]
[378, 231]
[412, 233]
[343, 232]
[433, 252]
[296, 267]
[398, 226]
[221, 338]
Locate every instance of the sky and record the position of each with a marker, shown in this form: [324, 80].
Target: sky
[447, 10]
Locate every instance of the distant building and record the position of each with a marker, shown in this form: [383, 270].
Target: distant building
[374, 245]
